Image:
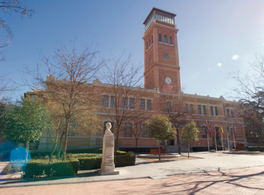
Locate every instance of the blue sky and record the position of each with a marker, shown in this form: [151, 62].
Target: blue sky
[210, 32]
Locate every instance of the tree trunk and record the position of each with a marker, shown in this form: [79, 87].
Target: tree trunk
[27, 145]
[159, 150]
[178, 141]
[27, 151]
[59, 151]
[188, 149]
[66, 139]
[117, 137]
[55, 145]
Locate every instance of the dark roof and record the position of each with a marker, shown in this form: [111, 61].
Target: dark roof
[172, 14]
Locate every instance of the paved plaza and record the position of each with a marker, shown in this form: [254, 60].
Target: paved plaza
[212, 173]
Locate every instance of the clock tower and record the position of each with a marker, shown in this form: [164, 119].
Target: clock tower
[161, 58]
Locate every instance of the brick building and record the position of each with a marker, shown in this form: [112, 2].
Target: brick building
[160, 95]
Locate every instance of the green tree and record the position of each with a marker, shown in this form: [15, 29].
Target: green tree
[190, 134]
[24, 121]
[161, 129]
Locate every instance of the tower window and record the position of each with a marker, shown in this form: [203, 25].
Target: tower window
[166, 57]
[160, 38]
[149, 60]
[165, 39]
[152, 39]
[149, 43]
[170, 40]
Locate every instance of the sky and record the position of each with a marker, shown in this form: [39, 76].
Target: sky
[216, 39]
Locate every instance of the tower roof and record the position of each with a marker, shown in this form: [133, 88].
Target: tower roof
[158, 10]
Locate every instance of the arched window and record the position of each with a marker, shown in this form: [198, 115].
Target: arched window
[160, 38]
[149, 43]
[170, 40]
[165, 39]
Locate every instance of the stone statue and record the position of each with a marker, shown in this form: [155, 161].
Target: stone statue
[108, 165]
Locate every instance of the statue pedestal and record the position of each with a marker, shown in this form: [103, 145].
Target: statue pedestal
[108, 165]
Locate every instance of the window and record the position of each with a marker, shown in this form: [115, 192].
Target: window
[212, 110]
[170, 40]
[112, 101]
[152, 40]
[131, 103]
[124, 102]
[204, 110]
[191, 108]
[186, 108]
[149, 60]
[168, 106]
[149, 43]
[128, 130]
[145, 131]
[160, 38]
[228, 112]
[204, 132]
[165, 39]
[105, 101]
[166, 57]
[199, 109]
[216, 111]
[148, 104]
[142, 104]
[231, 112]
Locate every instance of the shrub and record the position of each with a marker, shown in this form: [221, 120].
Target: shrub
[65, 168]
[94, 162]
[36, 168]
[33, 169]
[124, 159]
[87, 163]
[255, 148]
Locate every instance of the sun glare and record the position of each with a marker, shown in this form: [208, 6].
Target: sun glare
[219, 64]
[235, 57]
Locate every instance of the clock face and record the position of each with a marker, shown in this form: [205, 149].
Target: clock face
[168, 80]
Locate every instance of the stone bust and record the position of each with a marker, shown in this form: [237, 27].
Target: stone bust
[108, 126]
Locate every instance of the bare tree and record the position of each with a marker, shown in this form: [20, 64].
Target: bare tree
[140, 130]
[250, 88]
[9, 7]
[178, 113]
[124, 79]
[68, 84]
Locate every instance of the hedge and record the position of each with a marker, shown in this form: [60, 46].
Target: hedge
[255, 148]
[94, 162]
[36, 168]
